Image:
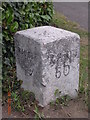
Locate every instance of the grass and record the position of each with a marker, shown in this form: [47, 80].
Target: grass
[38, 115]
[83, 82]
[21, 98]
[61, 21]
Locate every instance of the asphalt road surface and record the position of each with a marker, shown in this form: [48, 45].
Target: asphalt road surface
[75, 11]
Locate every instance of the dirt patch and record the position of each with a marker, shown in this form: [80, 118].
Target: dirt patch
[75, 109]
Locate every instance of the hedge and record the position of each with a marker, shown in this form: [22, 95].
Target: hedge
[19, 16]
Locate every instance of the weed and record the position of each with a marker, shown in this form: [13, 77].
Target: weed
[16, 103]
[26, 95]
[21, 98]
[57, 92]
[83, 82]
[38, 115]
[65, 99]
[52, 103]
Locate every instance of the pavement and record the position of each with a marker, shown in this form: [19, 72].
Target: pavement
[74, 11]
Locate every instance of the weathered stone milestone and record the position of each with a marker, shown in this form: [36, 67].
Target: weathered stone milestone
[47, 59]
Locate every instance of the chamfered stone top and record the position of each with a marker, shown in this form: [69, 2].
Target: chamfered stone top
[46, 34]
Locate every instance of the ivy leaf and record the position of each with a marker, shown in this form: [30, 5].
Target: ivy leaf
[10, 19]
[26, 26]
[14, 27]
[7, 14]
[3, 16]
[46, 17]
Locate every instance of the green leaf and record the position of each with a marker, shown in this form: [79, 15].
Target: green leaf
[14, 27]
[22, 12]
[26, 26]
[47, 17]
[27, 8]
[10, 19]
[31, 26]
[3, 16]
[1, 8]
[7, 14]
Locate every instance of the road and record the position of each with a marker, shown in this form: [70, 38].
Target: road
[75, 11]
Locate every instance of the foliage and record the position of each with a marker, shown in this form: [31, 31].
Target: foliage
[83, 83]
[16, 102]
[83, 68]
[19, 16]
[0, 53]
[21, 98]
[63, 100]
[57, 92]
[38, 115]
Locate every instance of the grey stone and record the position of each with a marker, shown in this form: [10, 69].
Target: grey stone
[47, 59]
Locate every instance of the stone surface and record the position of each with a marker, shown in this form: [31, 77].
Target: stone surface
[47, 60]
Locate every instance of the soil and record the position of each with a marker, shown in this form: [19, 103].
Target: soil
[75, 109]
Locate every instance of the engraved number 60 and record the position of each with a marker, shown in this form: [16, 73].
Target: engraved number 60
[58, 72]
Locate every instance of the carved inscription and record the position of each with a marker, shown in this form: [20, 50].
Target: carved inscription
[27, 60]
[63, 59]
